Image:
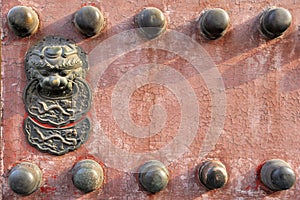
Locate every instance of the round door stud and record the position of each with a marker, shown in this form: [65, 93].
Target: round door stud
[23, 21]
[277, 175]
[213, 175]
[213, 23]
[87, 175]
[151, 22]
[89, 21]
[274, 22]
[25, 178]
[153, 176]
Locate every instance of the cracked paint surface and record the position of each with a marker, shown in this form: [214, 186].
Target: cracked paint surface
[262, 86]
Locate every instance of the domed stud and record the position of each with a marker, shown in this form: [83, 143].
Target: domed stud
[87, 175]
[23, 21]
[213, 175]
[89, 21]
[277, 175]
[274, 22]
[153, 176]
[151, 22]
[25, 178]
[213, 23]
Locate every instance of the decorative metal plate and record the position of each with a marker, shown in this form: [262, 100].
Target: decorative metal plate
[57, 110]
[57, 141]
[56, 96]
[55, 54]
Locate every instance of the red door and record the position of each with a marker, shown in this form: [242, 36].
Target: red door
[189, 95]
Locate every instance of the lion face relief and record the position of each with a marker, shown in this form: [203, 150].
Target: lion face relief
[57, 97]
[55, 63]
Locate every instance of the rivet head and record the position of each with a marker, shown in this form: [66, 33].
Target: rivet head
[213, 175]
[23, 21]
[151, 22]
[87, 175]
[274, 22]
[277, 175]
[213, 23]
[25, 178]
[153, 176]
[89, 21]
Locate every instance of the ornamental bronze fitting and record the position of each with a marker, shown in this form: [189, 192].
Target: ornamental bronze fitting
[151, 22]
[25, 178]
[56, 96]
[89, 21]
[213, 23]
[274, 22]
[213, 175]
[277, 175]
[87, 175]
[23, 21]
[153, 176]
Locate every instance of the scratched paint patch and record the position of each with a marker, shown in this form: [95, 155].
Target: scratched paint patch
[161, 75]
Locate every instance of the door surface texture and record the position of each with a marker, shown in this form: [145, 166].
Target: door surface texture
[149, 99]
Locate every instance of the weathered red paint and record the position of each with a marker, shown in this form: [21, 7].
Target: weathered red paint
[47, 189]
[261, 79]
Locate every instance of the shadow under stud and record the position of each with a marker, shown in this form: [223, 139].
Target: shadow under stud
[277, 175]
[213, 175]
[274, 22]
[23, 21]
[25, 178]
[89, 21]
[151, 22]
[213, 23]
[87, 175]
[153, 176]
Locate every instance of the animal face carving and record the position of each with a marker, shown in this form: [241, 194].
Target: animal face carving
[56, 96]
[55, 63]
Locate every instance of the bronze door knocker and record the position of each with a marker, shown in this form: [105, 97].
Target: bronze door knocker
[57, 97]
